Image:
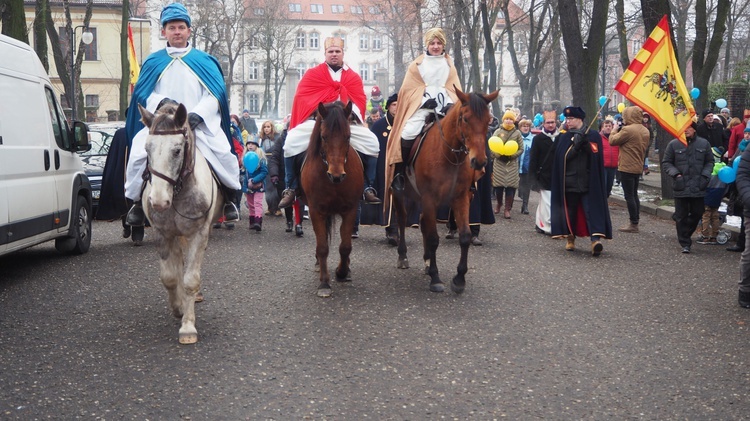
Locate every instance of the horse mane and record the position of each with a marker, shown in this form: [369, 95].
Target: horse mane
[335, 120]
[477, 104]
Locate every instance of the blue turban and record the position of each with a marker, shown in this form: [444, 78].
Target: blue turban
[174, 11]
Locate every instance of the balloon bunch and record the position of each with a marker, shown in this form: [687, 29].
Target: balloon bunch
[538, 120]
[507, 148]
[726, 173]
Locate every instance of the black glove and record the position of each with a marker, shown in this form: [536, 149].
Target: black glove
[166, 101]
[194, 120]
[445, 109]
[430, 104]
[578, 141]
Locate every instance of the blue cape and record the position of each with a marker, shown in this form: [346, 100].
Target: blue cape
[204, 65]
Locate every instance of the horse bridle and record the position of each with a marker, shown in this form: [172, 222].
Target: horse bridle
[188, 162]
[323, 152]
[462, 149]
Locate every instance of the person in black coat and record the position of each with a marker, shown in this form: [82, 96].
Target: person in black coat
[276, 174]
[579, 190]
[743, 193]
[540, 167]
[690, 167]
[712, 130]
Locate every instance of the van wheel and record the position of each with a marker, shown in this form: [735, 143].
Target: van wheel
[79, 239]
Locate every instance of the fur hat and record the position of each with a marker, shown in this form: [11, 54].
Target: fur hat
[575, 112]
[509, 114]
[391, 99]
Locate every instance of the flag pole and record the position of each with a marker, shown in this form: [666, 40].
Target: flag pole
[601, 107]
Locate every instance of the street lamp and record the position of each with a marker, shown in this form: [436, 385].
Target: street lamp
[87, 37]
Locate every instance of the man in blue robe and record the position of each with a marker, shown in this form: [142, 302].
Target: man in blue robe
[182, 74]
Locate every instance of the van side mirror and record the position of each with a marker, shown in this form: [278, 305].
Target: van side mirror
[81, 136]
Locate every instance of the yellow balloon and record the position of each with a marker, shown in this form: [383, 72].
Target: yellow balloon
[495, 144]
[620, 107]
[510, 147]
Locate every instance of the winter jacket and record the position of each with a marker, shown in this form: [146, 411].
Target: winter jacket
[742, 182]
[249, 178]
[505, 168]
[694, 162]
[633, 140]
[715, 192]
[541, 157]
[611, 153]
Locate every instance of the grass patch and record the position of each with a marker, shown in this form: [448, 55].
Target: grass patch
[665, 202]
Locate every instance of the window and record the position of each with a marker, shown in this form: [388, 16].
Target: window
[301, 67]
[253, 102]
[314, 40]
[89, 51]
[374, 10]
[252, 73]
[356, 10]
[258, 11]
[364, 42]
[337, 8]
[59, 124]
[364, 71]
[316, 8]
[377, 42]
[92, 101]
[300, 41]
[637, 44]
[253, 42]
[295, 7]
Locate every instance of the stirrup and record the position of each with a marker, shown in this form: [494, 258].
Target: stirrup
[230, 212]
[136, 217]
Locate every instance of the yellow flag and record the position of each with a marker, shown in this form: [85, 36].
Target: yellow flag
[135, 69]
[653, 82]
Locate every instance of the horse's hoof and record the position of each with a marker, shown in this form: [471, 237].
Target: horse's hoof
[198, 297]
[324, 292]
[347, 278]
[403, 264]
[458, 288]
[437, 287]
[188, 338]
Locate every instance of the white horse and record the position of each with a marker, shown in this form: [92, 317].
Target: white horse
[181, 200]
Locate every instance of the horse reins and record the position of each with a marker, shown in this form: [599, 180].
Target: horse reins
[461, 149]
[188, 165]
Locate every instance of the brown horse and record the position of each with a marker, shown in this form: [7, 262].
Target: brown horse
[451, 158]
[332, 180]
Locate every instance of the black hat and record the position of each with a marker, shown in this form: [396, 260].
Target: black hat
[694, 125]
[391, 99]
[576, 112]
[706, 112]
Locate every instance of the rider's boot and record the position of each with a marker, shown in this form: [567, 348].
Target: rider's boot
[231, 213]
[370, 164]
[136, 217]
[287, 198]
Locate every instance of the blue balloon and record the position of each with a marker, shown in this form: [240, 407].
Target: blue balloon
[736, 163]
[721, 102]
[562, 117]
[602, 100]
[250, 161]
[695, 93]
[727, 175]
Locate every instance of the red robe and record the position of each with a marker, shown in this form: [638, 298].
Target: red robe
[317, 86]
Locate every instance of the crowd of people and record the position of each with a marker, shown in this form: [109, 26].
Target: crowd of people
[572, 166]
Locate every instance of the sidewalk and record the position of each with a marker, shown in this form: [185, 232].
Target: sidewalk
[652, 184]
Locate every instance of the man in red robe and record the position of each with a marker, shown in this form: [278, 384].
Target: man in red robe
[328, 82]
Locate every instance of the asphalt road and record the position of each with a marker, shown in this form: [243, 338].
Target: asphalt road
[643, 332]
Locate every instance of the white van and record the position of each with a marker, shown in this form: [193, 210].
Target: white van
[44, 193]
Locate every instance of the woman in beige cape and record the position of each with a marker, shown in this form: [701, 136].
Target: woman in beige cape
[431, 76]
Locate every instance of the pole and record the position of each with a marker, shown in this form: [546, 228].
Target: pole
[72, 75]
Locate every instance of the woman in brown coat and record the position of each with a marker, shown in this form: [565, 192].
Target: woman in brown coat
[505, 167]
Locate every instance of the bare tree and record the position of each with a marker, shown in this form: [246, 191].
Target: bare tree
[273, 46]
[13, 20]
[535, 49]
[583, 57]
[40, 34]
[734, 19]
[705, 51]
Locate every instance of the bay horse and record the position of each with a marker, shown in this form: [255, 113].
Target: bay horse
[450, 159]
[181, 200]
[332, 181]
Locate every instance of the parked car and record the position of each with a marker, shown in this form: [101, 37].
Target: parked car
[101, 135]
